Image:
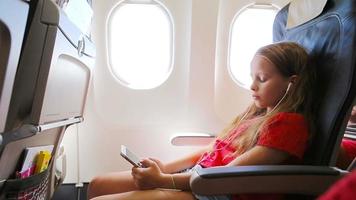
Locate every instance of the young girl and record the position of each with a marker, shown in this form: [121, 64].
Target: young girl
[273, 130]
[347, 151]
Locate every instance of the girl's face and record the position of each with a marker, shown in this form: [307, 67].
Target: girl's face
[268, 85]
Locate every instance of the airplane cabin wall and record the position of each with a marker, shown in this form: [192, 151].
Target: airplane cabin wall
[199, 95]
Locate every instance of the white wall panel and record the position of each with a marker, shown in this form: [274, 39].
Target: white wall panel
[145, 120]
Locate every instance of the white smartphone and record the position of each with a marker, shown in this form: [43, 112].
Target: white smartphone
[129, 156]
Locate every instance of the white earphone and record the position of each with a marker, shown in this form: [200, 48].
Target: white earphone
[289, 85]
[279, 102]
[284, 96]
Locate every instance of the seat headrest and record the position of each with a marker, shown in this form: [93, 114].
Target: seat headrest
[302, 11]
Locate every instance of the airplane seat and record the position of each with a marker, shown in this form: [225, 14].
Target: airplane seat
[12, 30]
[48, 94]
[330, 39]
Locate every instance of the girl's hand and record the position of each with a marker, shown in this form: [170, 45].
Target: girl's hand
[161, 166]
[149, 177]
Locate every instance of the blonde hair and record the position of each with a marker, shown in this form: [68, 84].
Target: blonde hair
[290, 59]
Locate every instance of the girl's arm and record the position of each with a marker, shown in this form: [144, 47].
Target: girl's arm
[158, 175]
[260, 155]
[151, 177]
[178, 181]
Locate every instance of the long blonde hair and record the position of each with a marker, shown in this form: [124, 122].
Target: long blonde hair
[290, 59]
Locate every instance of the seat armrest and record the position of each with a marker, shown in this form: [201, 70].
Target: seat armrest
[286, 179]
[192, 139]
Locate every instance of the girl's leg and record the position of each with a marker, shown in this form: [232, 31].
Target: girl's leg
[149, 195]
[111, 183]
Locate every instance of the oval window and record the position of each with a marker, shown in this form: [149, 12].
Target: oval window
[140, 44]
[250, 30]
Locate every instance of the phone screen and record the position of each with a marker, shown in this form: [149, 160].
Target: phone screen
[129, 156]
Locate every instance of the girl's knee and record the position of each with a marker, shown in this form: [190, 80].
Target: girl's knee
[94, 187]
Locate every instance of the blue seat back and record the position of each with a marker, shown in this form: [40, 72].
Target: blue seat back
[330, 40]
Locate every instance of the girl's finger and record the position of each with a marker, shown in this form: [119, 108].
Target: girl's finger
[147, 162]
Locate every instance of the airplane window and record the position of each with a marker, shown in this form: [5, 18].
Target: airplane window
[250, 29]
[140, 43]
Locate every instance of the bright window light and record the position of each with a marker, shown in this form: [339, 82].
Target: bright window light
[251, 29]
[141, 44]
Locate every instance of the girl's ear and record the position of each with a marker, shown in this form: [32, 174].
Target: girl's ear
[293, 78]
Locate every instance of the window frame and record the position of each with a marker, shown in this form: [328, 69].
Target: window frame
[236, 16]
[109, 44]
